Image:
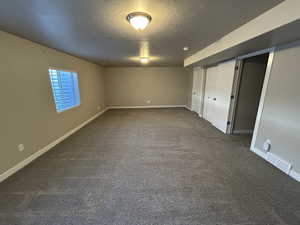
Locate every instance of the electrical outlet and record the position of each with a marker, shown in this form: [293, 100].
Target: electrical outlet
[21, 147]
[148, 101]
[267, 145]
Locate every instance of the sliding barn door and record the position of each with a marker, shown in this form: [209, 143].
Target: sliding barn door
[223, 92]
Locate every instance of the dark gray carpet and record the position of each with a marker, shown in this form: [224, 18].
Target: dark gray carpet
[150, 166]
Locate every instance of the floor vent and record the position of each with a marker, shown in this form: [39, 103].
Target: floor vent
[279, 163]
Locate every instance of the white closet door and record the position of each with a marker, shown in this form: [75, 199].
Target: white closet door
[198, 89]
[202, 78]
[222, 95]
[210, 86]
[195, 94]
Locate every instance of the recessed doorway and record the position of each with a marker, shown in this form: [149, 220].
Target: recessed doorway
[250, 80]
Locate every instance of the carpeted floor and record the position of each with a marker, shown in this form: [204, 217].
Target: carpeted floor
[146, 167]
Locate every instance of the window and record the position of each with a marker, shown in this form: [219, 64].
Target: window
[65, 89]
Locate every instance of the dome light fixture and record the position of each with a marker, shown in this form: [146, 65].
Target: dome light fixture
[144, 60]
[139, 20]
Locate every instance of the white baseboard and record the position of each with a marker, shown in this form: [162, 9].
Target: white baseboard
[277, 162]
[37, 154]
[243, 132]
[295, 175]
[146, 107]
[188, 108]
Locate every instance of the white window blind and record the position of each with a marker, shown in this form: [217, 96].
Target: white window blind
[65, 89]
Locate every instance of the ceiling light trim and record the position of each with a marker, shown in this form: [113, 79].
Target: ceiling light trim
[142, 15]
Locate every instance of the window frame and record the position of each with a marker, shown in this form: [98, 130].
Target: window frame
[53, 98]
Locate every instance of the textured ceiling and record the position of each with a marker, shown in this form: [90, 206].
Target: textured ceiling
[97, 30]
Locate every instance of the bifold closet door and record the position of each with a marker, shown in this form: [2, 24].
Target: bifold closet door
[210, 86]
[196, 92]
[218, 91]
[222, 94]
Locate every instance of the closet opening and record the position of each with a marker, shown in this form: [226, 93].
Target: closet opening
[249, 80]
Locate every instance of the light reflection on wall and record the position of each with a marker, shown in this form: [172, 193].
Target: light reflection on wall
[144, 49]
[144, 52]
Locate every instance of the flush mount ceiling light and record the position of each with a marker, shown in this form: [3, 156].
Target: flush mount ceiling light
[185, 48]
[139, 20]
[144, 60]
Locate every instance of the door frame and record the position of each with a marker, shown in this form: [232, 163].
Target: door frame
[262, 97]
[237, 83]
[202, 93]
[234, 94]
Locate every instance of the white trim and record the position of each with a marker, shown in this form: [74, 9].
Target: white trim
[269, 157]
[61, 69]
[260, 52]
[242, 132]
[147, 107]
[262, 98]
[188, 108]
[295, 175]
[260, 153]
[202, 94]
[279, 162]
[37, 154]
[235, 94]
[237, 83]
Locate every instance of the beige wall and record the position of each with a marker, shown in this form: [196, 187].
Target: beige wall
[28, 113]
[280, 121]
[134, 86]
[252, 79]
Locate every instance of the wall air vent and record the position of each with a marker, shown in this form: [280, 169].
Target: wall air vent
[279, 163]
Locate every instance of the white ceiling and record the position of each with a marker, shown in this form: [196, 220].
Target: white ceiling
[98, 31]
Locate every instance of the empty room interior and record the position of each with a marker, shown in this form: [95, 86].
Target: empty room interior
[148, 112]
